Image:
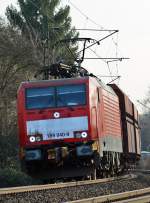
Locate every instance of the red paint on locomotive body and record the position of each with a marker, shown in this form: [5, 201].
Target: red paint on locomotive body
[25, 115]
[101, 108]
[74, 122]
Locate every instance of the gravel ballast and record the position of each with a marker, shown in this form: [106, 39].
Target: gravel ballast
[73, 193]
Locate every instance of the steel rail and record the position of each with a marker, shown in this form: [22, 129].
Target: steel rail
[144, 199]
[32, 188]
[142, 171]
[122, 197]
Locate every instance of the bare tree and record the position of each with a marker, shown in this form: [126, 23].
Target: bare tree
[17, 63]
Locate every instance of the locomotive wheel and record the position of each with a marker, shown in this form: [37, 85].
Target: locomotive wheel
[108, 174]
[49, 181]
[112, 172]
[93, 174]
[80, 178]
[104, 174]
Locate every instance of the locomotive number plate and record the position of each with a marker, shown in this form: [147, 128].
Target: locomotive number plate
[60, 135]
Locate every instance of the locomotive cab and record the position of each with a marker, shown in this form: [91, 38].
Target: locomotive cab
[54, 127]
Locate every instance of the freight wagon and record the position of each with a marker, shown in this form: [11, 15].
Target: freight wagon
[76, 127]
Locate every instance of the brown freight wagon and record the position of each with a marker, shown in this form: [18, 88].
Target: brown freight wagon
[130, 126]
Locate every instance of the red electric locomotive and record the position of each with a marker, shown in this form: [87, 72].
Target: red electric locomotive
[76, 127]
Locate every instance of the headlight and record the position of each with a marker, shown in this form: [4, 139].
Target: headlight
[56, 115]
[80, 134]
[32, 139]
[83, 134]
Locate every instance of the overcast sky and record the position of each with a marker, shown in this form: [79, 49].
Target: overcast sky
[131, 18]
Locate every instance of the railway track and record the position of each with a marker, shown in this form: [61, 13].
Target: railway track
[136, 196]
[142, 171]
[32, 188]
[101, 190]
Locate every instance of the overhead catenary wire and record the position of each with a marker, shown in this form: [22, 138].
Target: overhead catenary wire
[87, 17]
[102, 28]
[97, 55]
[85, 23]
[67, 47]
[98, 25]
[116, 49]
[143, 104]
[104, 60]
[98, 41]
[90, 19]
[112, 32]
[117, 77]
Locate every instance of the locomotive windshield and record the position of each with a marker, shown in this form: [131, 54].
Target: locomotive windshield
[40, 97]
[60, 96]
[70, 95]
